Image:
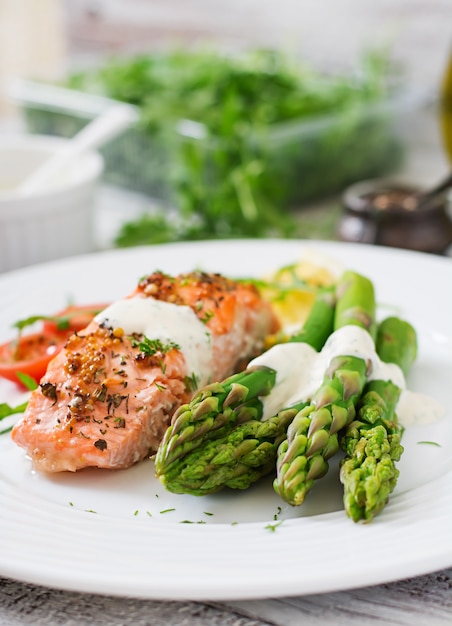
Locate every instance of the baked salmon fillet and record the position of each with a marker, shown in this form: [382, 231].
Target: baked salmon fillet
[108, 396]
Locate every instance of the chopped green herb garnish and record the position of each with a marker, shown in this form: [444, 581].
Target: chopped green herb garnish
[191, 382]
[120, 422]
[149, 347]
[281, 287]
[273, 527]
[100, 394]
[167, 511]
[278, 512]
[49, 390]
[207, 316]
[430, 443]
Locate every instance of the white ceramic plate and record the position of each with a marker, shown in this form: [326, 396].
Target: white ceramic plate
[120, 533]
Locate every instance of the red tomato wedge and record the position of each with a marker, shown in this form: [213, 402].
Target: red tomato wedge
[73, 318]
[30, 354]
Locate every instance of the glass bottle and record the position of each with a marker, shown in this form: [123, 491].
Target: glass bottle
[445, 107]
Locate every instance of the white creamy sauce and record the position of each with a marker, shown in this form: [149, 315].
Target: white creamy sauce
[165, 321]
[300, 369]
[418, 408]
[296, 375]
[300, 372]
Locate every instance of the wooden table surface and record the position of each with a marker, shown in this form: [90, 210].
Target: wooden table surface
[420, 601]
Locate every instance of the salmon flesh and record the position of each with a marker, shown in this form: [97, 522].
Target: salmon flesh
[109, 395]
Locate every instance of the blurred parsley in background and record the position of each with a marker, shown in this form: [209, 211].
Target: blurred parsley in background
[230, 146]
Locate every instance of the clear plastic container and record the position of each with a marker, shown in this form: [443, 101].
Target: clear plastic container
[304, 160]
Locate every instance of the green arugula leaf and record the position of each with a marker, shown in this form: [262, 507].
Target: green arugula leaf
[27, 381]
[62, 321]
[6, 409]
[29, 321]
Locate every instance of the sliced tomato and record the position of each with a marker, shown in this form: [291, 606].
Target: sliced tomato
[30, 354]
[73, 318]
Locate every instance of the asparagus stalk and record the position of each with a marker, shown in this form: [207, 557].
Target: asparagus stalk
[213, 411]
[312, 436]
[355, 302]
[397, 343]
[236, 460]
[372, 442]
[218, 414]
[320, 321]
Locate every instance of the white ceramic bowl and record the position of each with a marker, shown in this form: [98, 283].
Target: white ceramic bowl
[58, 221]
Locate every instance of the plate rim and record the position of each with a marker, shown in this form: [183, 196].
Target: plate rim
[416, 565]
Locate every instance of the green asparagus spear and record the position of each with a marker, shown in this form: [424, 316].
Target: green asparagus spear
[372, 442]
[397, 343]
[355, 302]
[312, 437]
[213, 413]
[236, 460]
[320, 321]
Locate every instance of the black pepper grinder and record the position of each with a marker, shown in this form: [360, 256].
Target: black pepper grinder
[387, 213]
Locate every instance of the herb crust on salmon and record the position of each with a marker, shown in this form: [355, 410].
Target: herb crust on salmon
[109, 395]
